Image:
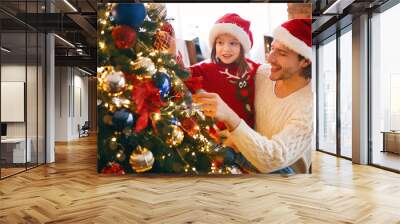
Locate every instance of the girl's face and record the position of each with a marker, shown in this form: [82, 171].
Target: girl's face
[227, 48]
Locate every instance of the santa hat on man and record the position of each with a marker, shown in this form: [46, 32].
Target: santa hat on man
[235, 25]
[296, 35]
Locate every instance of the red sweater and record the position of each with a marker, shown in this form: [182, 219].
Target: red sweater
[237, 92]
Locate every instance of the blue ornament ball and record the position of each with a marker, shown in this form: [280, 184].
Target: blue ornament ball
[163, 82]
[123, 119]
[131, 14]
[175, 121]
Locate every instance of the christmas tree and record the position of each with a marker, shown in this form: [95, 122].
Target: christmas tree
[147, 120]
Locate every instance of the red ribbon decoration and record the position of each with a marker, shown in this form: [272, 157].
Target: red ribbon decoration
[147, 99]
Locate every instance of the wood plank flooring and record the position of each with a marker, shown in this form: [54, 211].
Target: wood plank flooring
[70, 191]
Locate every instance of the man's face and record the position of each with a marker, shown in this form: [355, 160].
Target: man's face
[284, 62]
[227, 48]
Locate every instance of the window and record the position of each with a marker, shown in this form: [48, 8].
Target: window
[346, 75]
[327, 97]
[385, 89]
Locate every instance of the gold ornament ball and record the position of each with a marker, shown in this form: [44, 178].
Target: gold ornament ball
[146, 63]
[114, 82]
[141, 159]
[161, 40]
[175, 135]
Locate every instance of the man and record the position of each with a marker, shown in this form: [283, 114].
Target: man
[283, 105]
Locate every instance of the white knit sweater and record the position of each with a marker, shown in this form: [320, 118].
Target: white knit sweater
[283, 132]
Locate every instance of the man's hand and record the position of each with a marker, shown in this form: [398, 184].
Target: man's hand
[213, 106]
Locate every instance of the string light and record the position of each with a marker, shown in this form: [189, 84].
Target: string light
[102, 45]
[156, 116]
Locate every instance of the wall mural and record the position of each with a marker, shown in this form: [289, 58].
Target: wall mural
[149, 120]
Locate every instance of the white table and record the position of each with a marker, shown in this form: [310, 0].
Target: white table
[18, 148]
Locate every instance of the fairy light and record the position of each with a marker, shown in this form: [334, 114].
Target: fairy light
[114, 139]
[159, 60]
[102, 32]
[193, 154]
[107, 14]
[106, 105]
[152, 54]
[102, 45]
[139, 54]
[156, 116]
[104, 22]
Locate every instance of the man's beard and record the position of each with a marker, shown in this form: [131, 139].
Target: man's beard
[283, 74]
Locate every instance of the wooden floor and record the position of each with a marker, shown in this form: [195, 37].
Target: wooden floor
[387, 159]
[70, 191]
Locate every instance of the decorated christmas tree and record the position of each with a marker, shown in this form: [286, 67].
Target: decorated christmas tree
[147, 120]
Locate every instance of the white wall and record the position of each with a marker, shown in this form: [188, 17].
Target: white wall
[16, 73]
[34, 125]
[195, 20]
[71, 93]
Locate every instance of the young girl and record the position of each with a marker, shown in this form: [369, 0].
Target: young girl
[229, 73]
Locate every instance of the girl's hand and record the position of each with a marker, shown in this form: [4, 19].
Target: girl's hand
[172, 45]
[213, 106]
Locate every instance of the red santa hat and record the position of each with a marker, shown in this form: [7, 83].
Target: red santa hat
[296, 35]
[235, 25]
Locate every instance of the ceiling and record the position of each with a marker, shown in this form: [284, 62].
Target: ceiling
[332, 15]
[23, 21]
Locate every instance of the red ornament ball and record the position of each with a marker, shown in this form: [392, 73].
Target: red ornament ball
[113, 168]
[124, 36]
[167, 27]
